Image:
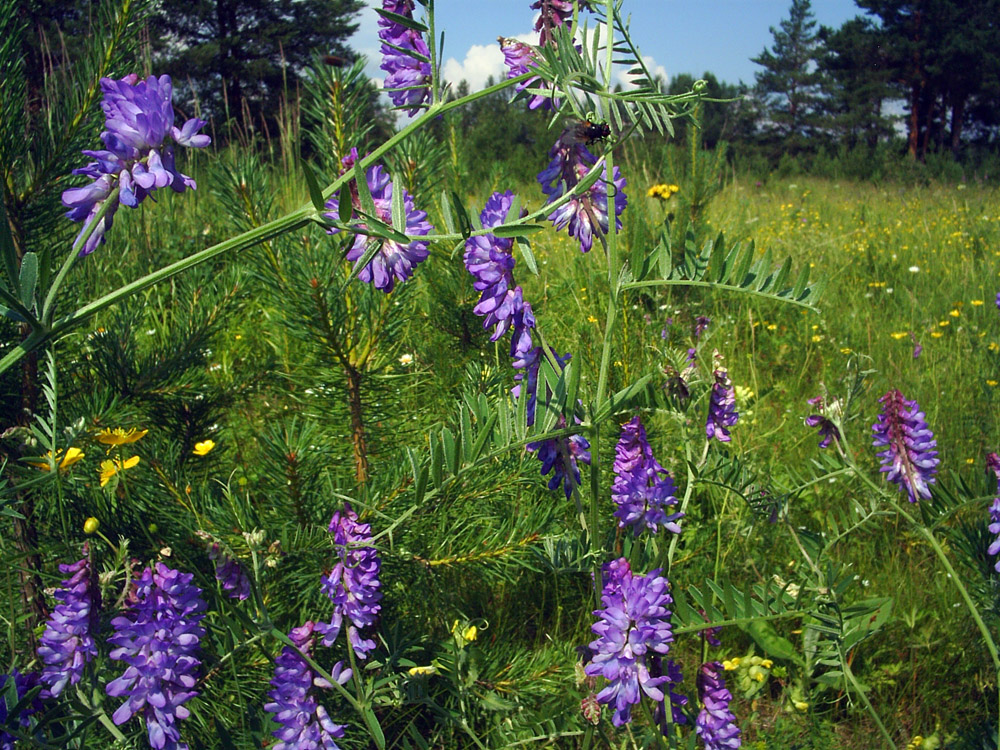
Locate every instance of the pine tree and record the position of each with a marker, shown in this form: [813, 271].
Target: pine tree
[788, 84]
[236, 54]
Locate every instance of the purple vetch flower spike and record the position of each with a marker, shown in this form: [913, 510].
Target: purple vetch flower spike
[394, 261]
[305, 723]
[138, 157]
[22, 684]
[701, 324]
[722, 412]
[158, 638]
[353, 584]
[67, 644]
[633, 627]
[909, 459]
[231, 574]
[993, 464]
[585, 214]
[828, 431]
[562, 456]
[405, 59]
[489, 260]
[715, 724]
[642, 488]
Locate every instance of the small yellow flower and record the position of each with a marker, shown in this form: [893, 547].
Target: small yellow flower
[977, 303]
[772, 327]
[970, 461]
[817, 338]
[591, 319]
[731, 664]
[944, 323]
[90, 525]
[470, 634]
[110, 468]
[72, 456]
[899, 335]
[991, 383]
[416, 671]
[936, 334]
[955, 313]
[661, 191]
[993, 346]
[759, 676]
[203, 448]
[766, 663]
[801, 705]
[118, 436]
[846, 350]
[916, 743]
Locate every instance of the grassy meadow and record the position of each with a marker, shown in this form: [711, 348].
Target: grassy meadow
[274, 353]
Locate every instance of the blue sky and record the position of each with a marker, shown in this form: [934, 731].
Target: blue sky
[681, 36]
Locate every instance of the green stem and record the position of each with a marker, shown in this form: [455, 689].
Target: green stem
[868, 704]
[716, 285]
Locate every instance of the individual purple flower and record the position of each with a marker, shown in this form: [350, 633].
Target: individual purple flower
[715, 724]
[642, 488]
[67, 644]
[353, 584]
[827, 429]
[998, 300]
[158, 638]
[633, 627]
[22, 684]
[552, 14]
[405, 59]
[909, 459]
[562, 457]
[489, 260]
[520, 59]
[230, 573]
[305, 723]
[722, 412]
[701, 324]
[587, 213]
[393, 261]
[137, 158]
[993, 464]
[710, 635]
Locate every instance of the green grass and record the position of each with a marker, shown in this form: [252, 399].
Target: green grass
[277, 411]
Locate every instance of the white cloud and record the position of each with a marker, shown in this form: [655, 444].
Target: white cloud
[654, 68]
[481, 61]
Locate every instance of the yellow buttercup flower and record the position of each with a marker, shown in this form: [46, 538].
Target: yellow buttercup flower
[203, 448]
[119, 436]
[661, 191]
[71, 457]
[110, 468]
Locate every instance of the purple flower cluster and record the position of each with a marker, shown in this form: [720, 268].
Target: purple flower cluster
[405, 58]
[722, 412]
[353, 584]
[633, 627]
[305, 723]
[715, 724]
[993, 464]
[139, 117]
[562, 457]
[67, 644]
[587, 213]
[520, 59]
[701, 324]
[230, 573]
[158, 639]
[827, 429]
[489, 260]
[394, 261]
[909, 459]
[642, 488]
[22, 684]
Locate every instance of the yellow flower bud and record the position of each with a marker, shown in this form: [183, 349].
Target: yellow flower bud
[90, 525]
[418, 671]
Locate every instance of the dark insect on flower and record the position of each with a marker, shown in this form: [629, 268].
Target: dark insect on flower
[590, 132]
